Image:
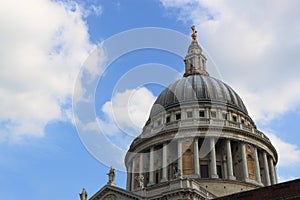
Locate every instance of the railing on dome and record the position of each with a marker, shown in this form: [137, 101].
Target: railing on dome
[233, 124]
[151, 130]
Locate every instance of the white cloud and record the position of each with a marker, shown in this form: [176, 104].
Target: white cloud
[288, 158]
[127, 112]
[96, 9]
[289, 154]
[43, 44]
[256, 46]
[269, 102]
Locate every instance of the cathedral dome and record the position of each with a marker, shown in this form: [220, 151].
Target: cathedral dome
[199, 89]
[199, 130]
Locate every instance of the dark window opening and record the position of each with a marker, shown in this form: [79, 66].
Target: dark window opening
[156, 177]
[189, 114]
[224, 116]
[219, 171]
[201, 114]
[188, 151]
[204, 171]
[178, 116]
[168, 119]
[234, 118]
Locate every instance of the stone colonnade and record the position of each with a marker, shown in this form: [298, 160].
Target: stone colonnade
[265, 171]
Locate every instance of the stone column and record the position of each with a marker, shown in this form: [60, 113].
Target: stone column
[219, 114]
[271, 166]
[196, 158]
[151, 166]
[266, 168]
[276, 177]
[164, 164]
[207, 113]
[244, 162]
[179, 155]
[141, 164]
[213, 162]
[132, 174]
[257, 167]
[229, 161]
[225, 168]
[128, 178]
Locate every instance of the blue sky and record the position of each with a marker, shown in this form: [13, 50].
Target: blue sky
[254, 45]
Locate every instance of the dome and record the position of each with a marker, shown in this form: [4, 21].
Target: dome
[197, 89]
[199, 129]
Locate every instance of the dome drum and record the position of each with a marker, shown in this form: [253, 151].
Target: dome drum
[247, 161]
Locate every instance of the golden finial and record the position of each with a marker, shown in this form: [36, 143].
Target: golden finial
[194, 35]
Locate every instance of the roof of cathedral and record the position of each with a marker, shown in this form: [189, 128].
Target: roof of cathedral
[198, 89]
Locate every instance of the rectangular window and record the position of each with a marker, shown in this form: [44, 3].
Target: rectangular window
[219, 171]
[156, 177]
[178, 116]
[201, 113]
[189, 114]
[224, 115]
[213, 114]
[168, 119]
[204, 171]
[234, 118]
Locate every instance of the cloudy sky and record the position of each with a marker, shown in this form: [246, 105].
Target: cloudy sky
[253, 45]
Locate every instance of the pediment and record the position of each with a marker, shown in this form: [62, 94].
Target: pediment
[113, 193]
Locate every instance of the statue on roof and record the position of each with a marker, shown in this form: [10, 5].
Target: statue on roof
[176, 172]
[140, 180]
[111, 176]
[83, 195]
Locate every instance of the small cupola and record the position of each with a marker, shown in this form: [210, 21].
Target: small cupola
[195, 61]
